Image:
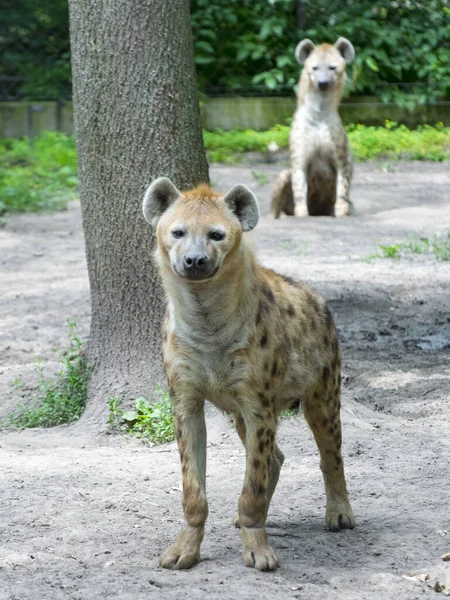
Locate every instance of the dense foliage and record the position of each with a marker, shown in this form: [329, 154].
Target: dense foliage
[401, 46]
[247, 46]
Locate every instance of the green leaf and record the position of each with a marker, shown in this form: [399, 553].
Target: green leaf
[371, 63]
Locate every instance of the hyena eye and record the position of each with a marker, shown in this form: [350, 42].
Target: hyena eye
[315, 68]
[333, 68]
[216, 236]
[177, 233]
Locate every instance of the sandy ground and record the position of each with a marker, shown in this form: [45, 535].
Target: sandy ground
[87, 518]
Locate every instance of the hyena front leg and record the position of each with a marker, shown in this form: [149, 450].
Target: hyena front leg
[343, 205]
[300, 191]
[276, 462]
[256, 494]
[191, 436]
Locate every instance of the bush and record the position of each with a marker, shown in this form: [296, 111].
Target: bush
[37, 177]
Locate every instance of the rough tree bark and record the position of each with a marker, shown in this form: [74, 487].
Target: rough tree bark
[136, 118]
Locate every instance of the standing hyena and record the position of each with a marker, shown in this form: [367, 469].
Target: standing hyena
[320, 154]
[253, 343]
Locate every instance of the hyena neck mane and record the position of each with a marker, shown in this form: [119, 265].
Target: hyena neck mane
[216, 313]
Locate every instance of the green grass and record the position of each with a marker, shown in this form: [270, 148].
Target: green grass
[391, 142]
[44, 176]
[57, 400]
[39, 177]
[150, 420]
[437, 246]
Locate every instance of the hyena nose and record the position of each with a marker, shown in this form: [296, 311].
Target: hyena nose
[324, 85]
[194, 262]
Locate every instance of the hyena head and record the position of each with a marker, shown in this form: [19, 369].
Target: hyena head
[199, 231]
[325, 64]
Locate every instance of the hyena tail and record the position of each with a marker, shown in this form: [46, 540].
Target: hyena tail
[322, 179]
[282, 195]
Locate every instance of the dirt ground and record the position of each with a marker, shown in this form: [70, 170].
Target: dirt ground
[86, 518]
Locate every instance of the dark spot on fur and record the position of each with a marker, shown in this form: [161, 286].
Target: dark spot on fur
[260, 395]
[266, 365]
[274, 369]
[184, 469]
[325, 422]
[288, 279]
[260, 490]
[338, 460]
[326, 339]
[258, 314]
[264, 339]
[313, 324]
[267, 385]
[259, 416]
[290, 310]
[325, 373]
[268, 294]
[269, 460]
[260, 432]
[232, 364]
[331, 430]
[261, 447]
[256, 463]
[265, 402]
[328, 317]
[179, 433]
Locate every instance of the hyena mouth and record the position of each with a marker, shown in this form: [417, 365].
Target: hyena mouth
[195, 276]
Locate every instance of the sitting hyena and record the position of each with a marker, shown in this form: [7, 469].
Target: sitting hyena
[320, 154]
[251, 341]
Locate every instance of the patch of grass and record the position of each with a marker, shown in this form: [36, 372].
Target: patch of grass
[151, 421]
[392, 142]
[228, 146]
[390, 251]
[261, 177]
[57, 400]
[39, 177]
[437, 245]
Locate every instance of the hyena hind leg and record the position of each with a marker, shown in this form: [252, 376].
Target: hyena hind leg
[321, 411]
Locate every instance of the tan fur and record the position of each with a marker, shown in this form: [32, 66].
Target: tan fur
[253, 343]
[320, 178]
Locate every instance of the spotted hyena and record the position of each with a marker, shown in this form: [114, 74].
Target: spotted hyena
[251, 341]
[319, 181]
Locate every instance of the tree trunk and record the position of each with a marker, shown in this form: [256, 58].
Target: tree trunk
[136, 118]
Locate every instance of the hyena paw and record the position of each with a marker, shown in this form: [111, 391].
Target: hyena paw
[301, 210]
[256, 551]
[339, 516]
[185, 552]
[342, 209]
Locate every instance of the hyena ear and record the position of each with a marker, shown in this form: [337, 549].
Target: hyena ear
[158, 197]
[244, 206]
[344, 47]
[303, 50]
